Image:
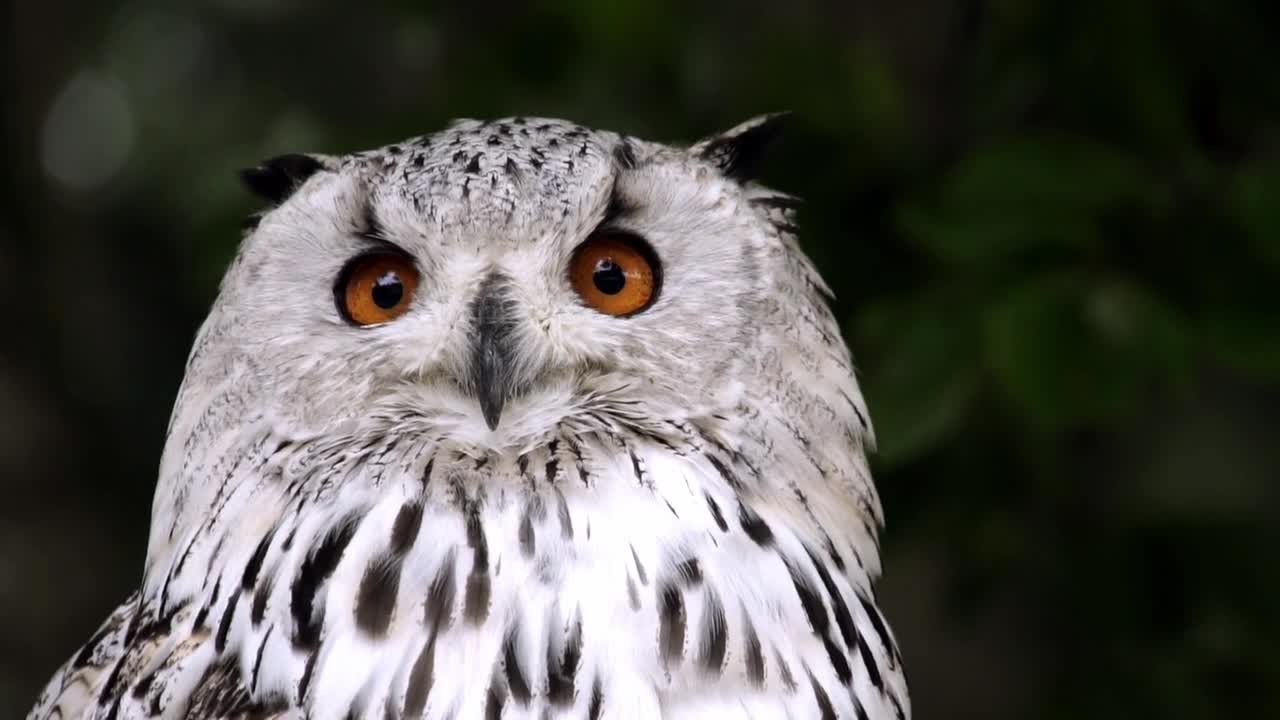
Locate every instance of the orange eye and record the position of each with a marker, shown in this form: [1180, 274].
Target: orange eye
[376, 288]
[615, 274]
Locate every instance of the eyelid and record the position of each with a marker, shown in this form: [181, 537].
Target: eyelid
[367, 242]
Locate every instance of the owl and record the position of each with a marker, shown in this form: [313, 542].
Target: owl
[518, 419]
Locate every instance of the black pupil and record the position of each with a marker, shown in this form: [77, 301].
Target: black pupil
[608, 277]
[388, 290]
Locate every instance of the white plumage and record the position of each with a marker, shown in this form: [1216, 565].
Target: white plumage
[500, 499]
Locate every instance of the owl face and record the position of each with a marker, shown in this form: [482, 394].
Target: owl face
[498, 279]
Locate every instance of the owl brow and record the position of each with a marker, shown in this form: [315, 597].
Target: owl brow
[624, 159]
[371, 226]
[618, 207]
[624, 153]
[371, 229]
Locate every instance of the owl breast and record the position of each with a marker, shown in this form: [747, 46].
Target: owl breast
[589, 577]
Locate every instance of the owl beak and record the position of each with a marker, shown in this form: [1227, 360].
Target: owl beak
[490, 390]
[493, 352]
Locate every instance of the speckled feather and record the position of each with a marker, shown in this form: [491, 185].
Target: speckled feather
[673, 519]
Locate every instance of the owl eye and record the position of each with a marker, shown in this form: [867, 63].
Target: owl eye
[616, 274]
[376, 287]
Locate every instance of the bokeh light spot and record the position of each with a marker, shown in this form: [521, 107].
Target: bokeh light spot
[88, 132]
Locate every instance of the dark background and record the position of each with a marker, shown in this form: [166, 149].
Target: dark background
[1053, 228]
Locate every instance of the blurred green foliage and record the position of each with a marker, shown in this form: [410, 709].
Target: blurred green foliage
[1053, 230]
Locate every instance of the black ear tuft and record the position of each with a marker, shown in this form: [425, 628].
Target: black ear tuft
[276, 179]
[738, 152]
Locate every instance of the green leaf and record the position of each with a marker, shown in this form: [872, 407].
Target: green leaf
[1014, 196]
[1244, 336]
[924, 379]
[1255, 202]
[1070, 350]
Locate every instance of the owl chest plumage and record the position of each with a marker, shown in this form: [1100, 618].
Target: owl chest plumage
[594, 577]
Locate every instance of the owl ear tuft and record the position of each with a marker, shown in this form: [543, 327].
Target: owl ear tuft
[739, 151]
[274, 180]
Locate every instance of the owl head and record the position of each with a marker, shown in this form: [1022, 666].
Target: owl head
[497, 279]
[495, 291]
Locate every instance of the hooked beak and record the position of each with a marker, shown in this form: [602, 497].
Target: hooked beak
[492, 370]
